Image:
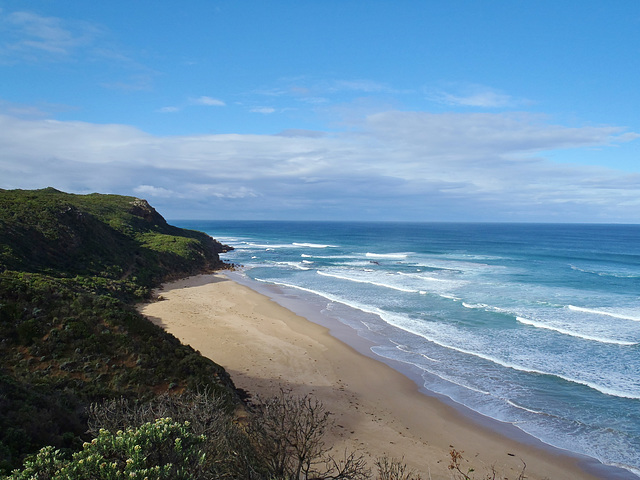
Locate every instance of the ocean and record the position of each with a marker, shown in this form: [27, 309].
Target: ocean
[535, 325]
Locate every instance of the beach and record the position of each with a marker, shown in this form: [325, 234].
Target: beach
[377, 410]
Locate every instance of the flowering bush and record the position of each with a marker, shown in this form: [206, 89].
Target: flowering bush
[163, 449]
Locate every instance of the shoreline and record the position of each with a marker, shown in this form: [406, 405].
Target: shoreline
[377, 407]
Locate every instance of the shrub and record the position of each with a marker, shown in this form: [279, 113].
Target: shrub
[163, 449]
[227, 448]
[394, 469]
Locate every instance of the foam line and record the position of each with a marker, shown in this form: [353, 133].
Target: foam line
[563, 331]
[313, 245]
[600, 388]
[603, 312]
[331, 298]
[397, 256]
[356, 280]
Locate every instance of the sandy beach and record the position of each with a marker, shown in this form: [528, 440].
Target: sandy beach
[376, 409]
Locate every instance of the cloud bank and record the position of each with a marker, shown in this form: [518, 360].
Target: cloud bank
[388, 165]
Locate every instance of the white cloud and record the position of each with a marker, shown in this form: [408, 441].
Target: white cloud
[393, 164]
[202, 101]
[33, 37]
[475, 96]
[39, 110]
[264, 110]
[217, 190]
[313, 91]
[467, 135]
[207, 101]
[27, 37]
[134, 83]
[169, 109]
[150, 190]
[366, 86]
[297, 132]
[480, 99]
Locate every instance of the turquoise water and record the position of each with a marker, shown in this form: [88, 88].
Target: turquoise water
[535, 325]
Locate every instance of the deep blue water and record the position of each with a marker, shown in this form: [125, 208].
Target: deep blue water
[535, 325]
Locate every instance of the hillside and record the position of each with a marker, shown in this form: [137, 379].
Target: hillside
[111, 236]
[71, 269]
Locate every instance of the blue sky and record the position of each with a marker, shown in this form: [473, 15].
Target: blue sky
[345, 110]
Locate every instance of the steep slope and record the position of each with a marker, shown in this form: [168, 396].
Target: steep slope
[71, 269]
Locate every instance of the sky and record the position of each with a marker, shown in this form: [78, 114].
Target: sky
[490, 111]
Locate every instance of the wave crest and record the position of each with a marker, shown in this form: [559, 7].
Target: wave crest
[571, 333]
[607, 313]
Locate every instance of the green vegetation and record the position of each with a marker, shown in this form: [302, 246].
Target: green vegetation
[278, 439]
[107, 236]
[162, 449]
[71, 269]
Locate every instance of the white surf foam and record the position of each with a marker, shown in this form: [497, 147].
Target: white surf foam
[514, 366]
[396, 256]
[405, 349]
[450, 297]
[513, 404]
[606, 273]
[313, 245]
[423, 277]
[328, 296]
[608, 313]
[295, 265]
[267, 246]
[369, 282]
[571, 333]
